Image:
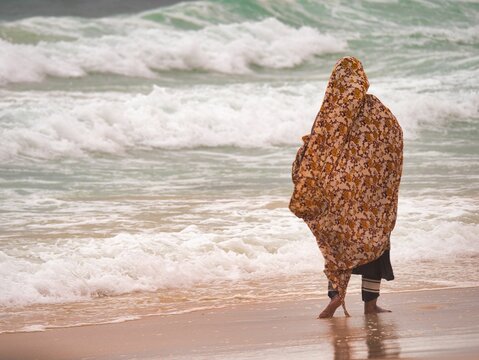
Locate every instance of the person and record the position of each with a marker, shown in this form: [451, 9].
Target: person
[346, 178]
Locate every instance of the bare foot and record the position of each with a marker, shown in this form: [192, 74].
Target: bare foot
[370, 307]
[329, 311]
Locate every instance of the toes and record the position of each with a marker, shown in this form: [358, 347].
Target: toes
[325, 314]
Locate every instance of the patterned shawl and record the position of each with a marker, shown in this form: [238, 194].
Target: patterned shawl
[346, 175]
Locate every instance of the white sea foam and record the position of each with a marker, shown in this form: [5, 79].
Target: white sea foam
[79, 269]
[274, 244]
[33, 328]
[433, 228]
[231, 49]
[246, 115]
[424, 104]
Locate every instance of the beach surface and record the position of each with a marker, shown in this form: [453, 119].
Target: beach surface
[424, 325]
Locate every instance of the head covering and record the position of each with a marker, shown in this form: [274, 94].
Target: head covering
[346, 174]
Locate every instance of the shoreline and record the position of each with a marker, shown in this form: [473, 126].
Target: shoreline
[36, 324]
[423, 324]
[127, 318]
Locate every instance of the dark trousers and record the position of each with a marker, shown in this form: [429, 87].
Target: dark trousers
[372, 273]
[369, 289]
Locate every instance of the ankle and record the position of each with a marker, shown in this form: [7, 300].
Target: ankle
[370, 305]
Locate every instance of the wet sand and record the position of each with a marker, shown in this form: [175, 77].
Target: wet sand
[432, 324]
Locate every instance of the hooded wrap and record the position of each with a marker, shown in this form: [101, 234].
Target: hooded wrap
[346, 175]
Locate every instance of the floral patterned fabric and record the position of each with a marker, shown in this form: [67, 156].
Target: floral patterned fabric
[346, 174]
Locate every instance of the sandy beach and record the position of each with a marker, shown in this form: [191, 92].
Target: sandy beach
[424, 324]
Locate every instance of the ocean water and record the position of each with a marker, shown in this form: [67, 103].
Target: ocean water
[146, 156]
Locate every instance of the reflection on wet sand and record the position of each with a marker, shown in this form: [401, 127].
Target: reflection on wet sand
[374, 338]
[381, 339]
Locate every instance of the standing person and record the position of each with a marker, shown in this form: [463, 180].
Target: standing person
[346, 179]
